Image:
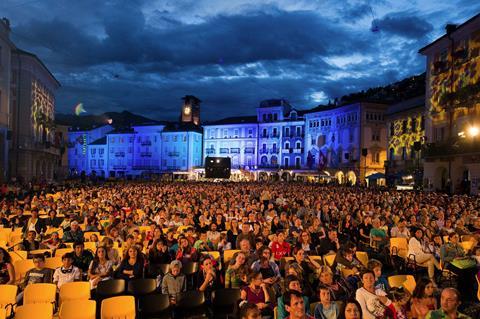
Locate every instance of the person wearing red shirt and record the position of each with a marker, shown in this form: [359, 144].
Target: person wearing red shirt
[280, 248]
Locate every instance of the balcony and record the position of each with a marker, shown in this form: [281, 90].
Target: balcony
[119, 154]
[264, 165]
[119, 167]
[445, 149]
[173, 154]
[274, 151]
[224, 150]
[145, 168]
[210, 151]
[146, 154]
[146, 143]
[249, 150]
[263, 151]
[234, 151]
[264, 135]
[298, 150]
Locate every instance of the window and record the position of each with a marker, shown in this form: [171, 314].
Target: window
[404, 126]
[93, 163]
[274, 147]
[404, 153]
[287, 131]
[392, 129]
[285, 161]
[235, 133]
[264, 132]
[287, 145]
[100, 151]
[275, 117]
[264, 117]
[185, 137]
[297, 162]
[299, 131]
[225, 133]
[174, 138]
[92, 151]
[250, 132]
[274, 132]
[298, 145]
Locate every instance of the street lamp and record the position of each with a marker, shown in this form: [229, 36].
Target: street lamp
[473, 131]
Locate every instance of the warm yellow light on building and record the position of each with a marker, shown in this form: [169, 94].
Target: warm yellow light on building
[473, 131]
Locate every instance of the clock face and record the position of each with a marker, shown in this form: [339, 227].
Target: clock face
[187, 110]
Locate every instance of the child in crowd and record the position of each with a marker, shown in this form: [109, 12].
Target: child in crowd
[381, 282]
[174, 281]
[67, 272]
[38, 274]
[326, 309]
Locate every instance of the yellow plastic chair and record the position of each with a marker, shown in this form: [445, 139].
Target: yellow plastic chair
[79, 290]
[53, 262]
[34, 311]
[40, 293]
[347, 272]
[62, 251]
[87, 235]
[118, 307]
[228, 254]
[362, 257]
[406, 281]
[18, 255]
[318, 259]
[214, 254]
[77, 309]
[31, 253]
[329, 260]
[91, 246]
[8, 294]
[467, 245]
[399, 246]
[275, 313]
[3, 313]
[21, 268]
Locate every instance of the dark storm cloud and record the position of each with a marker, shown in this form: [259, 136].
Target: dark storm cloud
[404, 24]
[145, 55]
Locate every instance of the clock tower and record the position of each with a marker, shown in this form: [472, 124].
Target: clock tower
[190, 110]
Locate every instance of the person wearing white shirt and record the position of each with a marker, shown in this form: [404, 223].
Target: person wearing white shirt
[66, 273]
[373, 305]
[422, 258]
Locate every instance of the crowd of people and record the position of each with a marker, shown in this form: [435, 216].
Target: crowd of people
[296, 247]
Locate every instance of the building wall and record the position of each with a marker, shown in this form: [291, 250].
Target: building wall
[452, 106]
[33, 154]
[237, 141]
[5, 74]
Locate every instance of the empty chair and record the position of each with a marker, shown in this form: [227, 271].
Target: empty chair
[8, 295]
[21, 268]
[110, 288]
[225, 302]
[53, 262]
[362, 257]
[3, 313]
[37, 311]
[406, 281]
[141, 287]
[40, 293]
[228, 254]
[155, 305]
[118, 307]
[190, 269]
[62, 251]
[79, 290]
[163, 268]
[77, 309]
[329, 260]
[192, 301]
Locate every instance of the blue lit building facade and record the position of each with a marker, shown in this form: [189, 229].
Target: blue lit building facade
[346, 143]
[78, 147]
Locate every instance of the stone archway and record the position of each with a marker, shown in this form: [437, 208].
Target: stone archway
[351, 178]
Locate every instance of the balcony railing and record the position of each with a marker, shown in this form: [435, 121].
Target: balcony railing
[146, 154]
[459, 147]
[224, 150]
[119, 154]
[263, 151]
[122, 167]
[235, 151]
[146, 143]
[210, 151]
[274, 151]
[249, 150]
[173, 154]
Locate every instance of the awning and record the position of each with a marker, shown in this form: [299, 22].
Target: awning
[376, 176]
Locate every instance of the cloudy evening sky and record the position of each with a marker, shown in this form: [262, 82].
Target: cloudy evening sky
[144, 55]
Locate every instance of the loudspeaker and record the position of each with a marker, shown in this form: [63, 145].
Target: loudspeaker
[417, 146]
[364, 152]
[217, 167]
